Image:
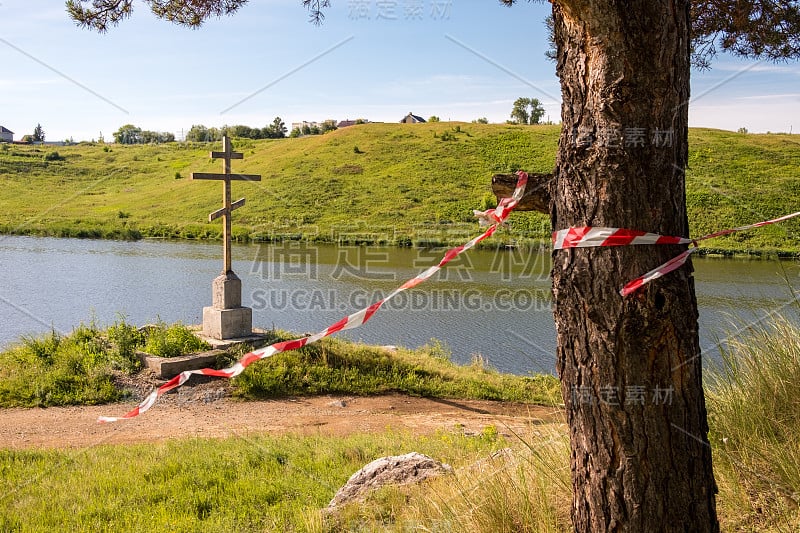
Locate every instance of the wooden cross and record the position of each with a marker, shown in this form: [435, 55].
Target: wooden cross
[226, 155]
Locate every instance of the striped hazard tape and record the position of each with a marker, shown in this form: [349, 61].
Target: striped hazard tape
[578, 237]
[590, 237]
[491, 217]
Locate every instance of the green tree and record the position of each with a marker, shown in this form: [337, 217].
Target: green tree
[535, 112]
[276, 130]
[519, 113]
[635, 466]
[433, 118]
[482, 120]
[244, 132]
[38, 134]
[214, 134]
[527, 111]
[103, 14]
[128, 134]
[199, 133]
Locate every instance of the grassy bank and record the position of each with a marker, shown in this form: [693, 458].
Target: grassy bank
[80, 369]
[280, 484]
[374, 183]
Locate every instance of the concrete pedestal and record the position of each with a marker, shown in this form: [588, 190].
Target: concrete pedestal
[226, 318]
[227, 323]
[226, 291]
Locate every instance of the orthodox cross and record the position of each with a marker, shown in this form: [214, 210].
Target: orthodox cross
[226, 155]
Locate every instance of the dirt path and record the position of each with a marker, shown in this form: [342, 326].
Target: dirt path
[212, 416]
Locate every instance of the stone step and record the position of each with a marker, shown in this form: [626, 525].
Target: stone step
[169, 367]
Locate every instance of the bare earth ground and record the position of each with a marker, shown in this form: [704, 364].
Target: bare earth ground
[206, 410]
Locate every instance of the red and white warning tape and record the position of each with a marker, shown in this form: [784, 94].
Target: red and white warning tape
[588, 237]
[492, 217]
[579, 237]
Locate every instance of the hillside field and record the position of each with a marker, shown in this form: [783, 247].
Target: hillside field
[374, 183]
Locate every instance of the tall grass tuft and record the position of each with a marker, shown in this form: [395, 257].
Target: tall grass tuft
[523, 487]
[125, 339]
[754, 412]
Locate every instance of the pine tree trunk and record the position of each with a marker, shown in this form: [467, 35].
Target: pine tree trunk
[630, 367]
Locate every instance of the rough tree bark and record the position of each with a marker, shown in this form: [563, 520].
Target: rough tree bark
[630, 367]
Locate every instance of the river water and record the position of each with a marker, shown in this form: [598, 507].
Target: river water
[492, 303]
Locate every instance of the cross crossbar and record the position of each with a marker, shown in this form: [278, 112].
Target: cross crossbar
[219, 212]
[232, 177]
[227, 155]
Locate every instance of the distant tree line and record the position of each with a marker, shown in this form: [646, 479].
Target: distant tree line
[200, 133]
[315, 129]
[130, 134]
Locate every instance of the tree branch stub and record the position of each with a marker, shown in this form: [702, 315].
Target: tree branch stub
[537, 195]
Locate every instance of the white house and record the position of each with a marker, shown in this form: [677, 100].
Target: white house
[6, 135]
[411, 119]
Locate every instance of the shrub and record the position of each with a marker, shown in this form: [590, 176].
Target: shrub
[53, 156]
[172, 341]
[125, 340]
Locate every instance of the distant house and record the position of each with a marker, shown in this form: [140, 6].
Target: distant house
[346, 123]
[412, 119]
[6, 135]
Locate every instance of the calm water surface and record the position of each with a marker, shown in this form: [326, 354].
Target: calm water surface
[474, 306]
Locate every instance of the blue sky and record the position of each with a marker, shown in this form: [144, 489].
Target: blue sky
[373, 59]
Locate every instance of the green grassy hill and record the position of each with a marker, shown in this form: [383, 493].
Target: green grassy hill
[374, 183]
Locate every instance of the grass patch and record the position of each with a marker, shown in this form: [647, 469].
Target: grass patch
[79, 368]
[259, 483]
[336, 366]
[174, 340]
[55, 370]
